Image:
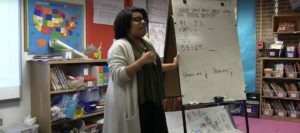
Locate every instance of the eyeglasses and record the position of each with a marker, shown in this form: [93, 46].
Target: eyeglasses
[139, 19]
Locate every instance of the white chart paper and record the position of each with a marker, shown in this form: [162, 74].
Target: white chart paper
[105, 11]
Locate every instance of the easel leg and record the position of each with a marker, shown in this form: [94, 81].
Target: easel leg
[183, 119]
[246, 116]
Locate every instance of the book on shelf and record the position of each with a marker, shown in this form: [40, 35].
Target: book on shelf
[54, 80]
[58, 79]
[47, 57]
[277, 105]
[267, 105]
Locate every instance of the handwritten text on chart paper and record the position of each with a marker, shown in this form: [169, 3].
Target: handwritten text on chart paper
[196, 19]
[207, 74]
[185, 45]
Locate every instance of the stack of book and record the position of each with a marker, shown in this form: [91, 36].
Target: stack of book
[47, 57]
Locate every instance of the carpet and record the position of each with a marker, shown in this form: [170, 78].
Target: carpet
[266, 126]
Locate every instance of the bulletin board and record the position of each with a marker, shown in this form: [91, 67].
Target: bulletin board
[49, 19]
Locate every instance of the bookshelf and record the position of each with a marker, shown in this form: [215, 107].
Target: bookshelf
[73, 90]
[42, 91]
[277, 89]
[286, 24]
[68, 120]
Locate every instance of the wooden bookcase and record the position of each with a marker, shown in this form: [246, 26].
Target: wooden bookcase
[268, 62]
[41, 91]
[277, 19]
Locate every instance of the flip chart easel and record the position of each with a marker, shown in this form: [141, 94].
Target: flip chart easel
[210, 69]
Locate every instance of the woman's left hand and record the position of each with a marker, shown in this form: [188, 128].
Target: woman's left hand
[175, 60]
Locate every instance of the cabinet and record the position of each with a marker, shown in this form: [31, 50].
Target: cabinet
[42, 91]
[286, 24]
[279, 99]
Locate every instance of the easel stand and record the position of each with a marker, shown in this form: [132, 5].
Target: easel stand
[192, 27]
[218, 102]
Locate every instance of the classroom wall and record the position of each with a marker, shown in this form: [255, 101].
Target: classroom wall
[99, 33]
[246, 33]
[14, 111]
[265, 34]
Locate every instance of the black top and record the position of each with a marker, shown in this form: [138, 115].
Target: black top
[150, 77]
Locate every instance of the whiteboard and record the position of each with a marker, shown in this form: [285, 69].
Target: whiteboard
[10, 50]
[210, 61]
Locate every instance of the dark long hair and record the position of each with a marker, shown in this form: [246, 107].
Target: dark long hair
[122, 22]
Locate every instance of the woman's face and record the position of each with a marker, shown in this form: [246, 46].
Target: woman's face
[138, 25]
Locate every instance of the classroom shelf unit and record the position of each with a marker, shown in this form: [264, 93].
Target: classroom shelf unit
[68, 120]
[286, 24]
[42, 92]
[278, 100]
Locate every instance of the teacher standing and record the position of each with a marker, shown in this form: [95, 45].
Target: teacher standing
[135, 89]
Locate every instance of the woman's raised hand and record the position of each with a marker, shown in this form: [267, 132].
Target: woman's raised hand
[148, 57]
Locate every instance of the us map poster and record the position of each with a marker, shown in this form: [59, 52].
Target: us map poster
[50, 19]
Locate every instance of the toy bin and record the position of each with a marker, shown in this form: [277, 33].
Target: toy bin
[268, 72]
[293, 94]
[293, 114]
[268, 112]
[22, 128]
[281, 93]
[93, 128]
[273, 52]
[291, 74]
[281, 113]
[277, 74]
[290, 51]
[268, 93]
[290, 54]
[252, 108]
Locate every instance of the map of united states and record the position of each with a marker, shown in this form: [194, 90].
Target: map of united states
[53, 21]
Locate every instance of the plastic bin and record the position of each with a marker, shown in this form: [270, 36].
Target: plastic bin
[290, 51]
[293, 114]
[268, 112]
[268, 93]
[291, 74]
[293, 94]
[273, 52]
[93, 128]
[90, 95]
[281, 113]
[22, 128]
[268, 72]
[281, 93]
[277, 74]
[290, 54]
[76, 83]
[252, 109]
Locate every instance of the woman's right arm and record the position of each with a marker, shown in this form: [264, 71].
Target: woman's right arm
[147, 57]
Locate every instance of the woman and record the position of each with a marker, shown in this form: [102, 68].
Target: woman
[135, 88]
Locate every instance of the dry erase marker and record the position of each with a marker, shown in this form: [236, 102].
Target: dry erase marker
[146, 50]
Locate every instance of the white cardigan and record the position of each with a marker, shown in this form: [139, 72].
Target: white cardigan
[122, 110]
